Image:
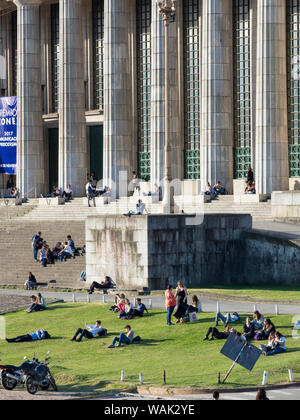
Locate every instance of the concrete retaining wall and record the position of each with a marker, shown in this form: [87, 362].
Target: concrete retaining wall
[150, 251]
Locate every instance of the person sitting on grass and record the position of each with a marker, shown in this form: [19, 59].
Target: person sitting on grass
[215, 333]
[41, 301]
[128, 310]
[228, 319]
[279, 345]
[65, 253]
[268, 328]
[106, 284]
[90, 332]
[140, 309]
[119, 305]
[194, 307]
[34, 307]
[35, 336]
[258, 320]
[123, 338]
[248, 329]
[271, 343]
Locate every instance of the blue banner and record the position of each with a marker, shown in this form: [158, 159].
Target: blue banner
[8, 135]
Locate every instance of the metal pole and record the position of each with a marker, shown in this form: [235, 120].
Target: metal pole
[235, 362]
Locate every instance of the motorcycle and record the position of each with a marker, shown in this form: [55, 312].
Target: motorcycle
[33, 374]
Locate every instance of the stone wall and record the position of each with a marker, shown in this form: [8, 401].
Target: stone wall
[149, 251]
[268, 260]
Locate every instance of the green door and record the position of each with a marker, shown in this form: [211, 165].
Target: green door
[53, 158]
[96, 150]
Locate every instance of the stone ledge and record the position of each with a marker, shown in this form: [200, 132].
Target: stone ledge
[251, 198]
[51, 201]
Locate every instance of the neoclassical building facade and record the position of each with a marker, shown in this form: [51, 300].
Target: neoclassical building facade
[89, 77]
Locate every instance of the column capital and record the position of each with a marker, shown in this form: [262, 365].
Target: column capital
[20, 3]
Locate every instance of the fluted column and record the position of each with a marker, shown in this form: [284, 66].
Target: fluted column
[30, 163]
[72, 125]
[217, 105]
[117, 92]
[157, 97]
[3, 46]
[271, 98]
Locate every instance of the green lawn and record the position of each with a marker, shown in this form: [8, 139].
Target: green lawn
[283, 293]
[91, 366]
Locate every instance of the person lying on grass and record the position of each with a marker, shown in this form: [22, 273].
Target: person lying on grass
[215, 333]
[38, 335]
[123, 338]
[90, 332]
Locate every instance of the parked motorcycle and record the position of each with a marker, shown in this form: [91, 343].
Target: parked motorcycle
[33, 374]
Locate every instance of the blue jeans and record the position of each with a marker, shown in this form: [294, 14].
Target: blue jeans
[278, 350]
[218, 192]
[120, 340]
[170, 310]
[226, 319]
[44, 262]
[35, 252]
[63, 255]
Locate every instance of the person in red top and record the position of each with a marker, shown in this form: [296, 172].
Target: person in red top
[170, 303]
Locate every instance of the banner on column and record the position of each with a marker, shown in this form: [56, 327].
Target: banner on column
[8, 135]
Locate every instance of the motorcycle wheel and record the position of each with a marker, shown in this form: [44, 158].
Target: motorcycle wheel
[31, 387]
[7, 383]
[53, 384]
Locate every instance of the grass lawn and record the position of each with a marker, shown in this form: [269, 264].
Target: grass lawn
[283, 293]
[91, 366]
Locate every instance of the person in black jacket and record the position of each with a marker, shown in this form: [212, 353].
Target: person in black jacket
[249, 330]
[250, 175]
[31, 283]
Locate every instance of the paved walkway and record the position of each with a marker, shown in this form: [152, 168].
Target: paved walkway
[278, 230]
[158, 302]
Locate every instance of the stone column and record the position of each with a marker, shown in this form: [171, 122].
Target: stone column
[117, 92]
[157, 97]
[272, 170]
[30, 163]
[3, 47]
[217, 104]
[72, 125]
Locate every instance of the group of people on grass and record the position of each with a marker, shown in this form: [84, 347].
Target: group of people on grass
[38, 303]
[257, 328]
[61, 251]
[126, 310]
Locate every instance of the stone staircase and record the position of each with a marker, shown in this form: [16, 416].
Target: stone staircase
[16, 258]
[78, 209]
[225, 204]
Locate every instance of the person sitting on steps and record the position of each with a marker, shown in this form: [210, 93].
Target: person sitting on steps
[106, 284]
[218, 189]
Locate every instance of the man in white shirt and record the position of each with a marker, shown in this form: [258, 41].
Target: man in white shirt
[90, 193]
[90, 332]
[66, 252]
